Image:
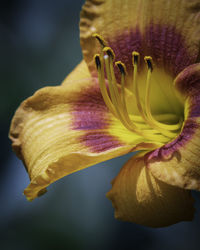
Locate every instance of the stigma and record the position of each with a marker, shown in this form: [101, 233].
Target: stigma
[114, 94]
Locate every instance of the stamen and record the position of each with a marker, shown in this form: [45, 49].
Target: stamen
[97, 61]
[112, 83]
[100, 70]
[149, 62]
[113, 90]
[122, 69]
[144, 125]
[144, 133]
[120, 108]
[135, 61]
[109, 77]
[135, 57]
[100, 39]
[109, 52]
[163, 128]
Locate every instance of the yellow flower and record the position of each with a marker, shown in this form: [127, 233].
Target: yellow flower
[142, 94]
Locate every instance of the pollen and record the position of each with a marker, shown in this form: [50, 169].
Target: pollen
[114, 95]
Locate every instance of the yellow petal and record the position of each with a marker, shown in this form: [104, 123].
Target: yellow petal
[61, 130]
[167, 31]
[178, 163]
[80, 72]
[140, 198]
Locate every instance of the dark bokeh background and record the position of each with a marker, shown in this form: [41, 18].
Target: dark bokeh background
[39, 46]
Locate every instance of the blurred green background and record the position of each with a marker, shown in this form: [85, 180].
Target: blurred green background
[39, 46]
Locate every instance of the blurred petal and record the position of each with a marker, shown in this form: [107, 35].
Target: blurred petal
[178, 162]
[167, 31]
[140, 198]
[61, 130]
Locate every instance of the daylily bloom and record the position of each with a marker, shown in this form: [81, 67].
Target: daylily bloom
[137, 89]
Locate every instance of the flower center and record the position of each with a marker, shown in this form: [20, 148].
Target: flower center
[153, 128]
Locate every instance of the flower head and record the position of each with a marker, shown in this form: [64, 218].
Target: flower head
[136, 89]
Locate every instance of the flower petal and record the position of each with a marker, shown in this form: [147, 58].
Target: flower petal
[178, 163]
[167, 31]
[79, 73]
[140, 198]
[61, 130]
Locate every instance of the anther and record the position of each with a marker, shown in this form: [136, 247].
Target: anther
[97, 61]
[149, 62]
[109, 52]
[121, 66]
[100, 39]
[135, 57]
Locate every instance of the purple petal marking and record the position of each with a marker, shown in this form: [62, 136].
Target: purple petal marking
[194, 108]
[89, 110]
[171, 149]
[164, 43]
[188, 83]
[99, 142]
[124, 44]
[91, 114]
[167, 47]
